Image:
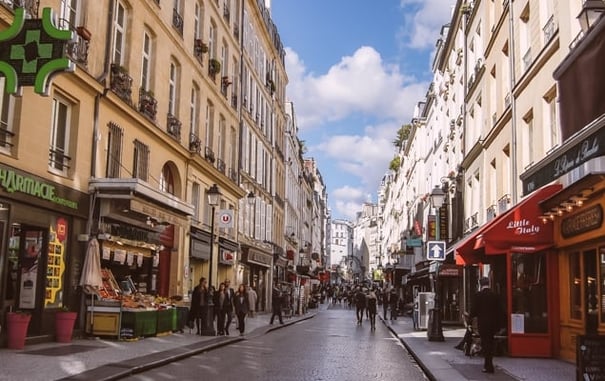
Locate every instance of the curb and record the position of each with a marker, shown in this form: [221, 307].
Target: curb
[119, 370]
[424, 368]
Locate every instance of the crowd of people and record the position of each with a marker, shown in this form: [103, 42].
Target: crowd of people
[224, 303]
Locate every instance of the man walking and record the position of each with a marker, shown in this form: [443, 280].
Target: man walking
[276, 302]
[486, 308]
[360, 304]
[252, 298]
[229, 295]
[385, 301]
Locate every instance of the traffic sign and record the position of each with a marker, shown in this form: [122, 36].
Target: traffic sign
[435, 250]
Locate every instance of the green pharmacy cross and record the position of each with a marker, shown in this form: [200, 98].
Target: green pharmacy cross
[32, 51]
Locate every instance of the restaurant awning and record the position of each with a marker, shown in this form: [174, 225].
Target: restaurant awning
[519, 229]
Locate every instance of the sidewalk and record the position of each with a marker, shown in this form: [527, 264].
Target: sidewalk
[100, 359]
[441, 361]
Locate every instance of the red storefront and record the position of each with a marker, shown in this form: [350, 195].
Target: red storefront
[515, 251]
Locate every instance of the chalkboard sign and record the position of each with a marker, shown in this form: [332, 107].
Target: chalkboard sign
[590, 358]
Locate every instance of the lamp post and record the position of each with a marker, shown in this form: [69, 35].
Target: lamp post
[591, 11]
[214, 197]
[435, 330]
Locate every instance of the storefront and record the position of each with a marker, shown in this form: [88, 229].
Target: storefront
[256, 266]
[576, 215]
[227, 252]
[138, 229]
[515, 251]
[40, 255]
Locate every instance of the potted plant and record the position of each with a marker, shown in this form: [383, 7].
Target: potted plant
[17, 323]
[65, 321]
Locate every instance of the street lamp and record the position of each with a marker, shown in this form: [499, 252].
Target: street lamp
[591, 11]
[214, 197]
[435, 330]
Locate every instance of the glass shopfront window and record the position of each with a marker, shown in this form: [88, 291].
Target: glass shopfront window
[575, 286]
[529, 293]
[602, 279]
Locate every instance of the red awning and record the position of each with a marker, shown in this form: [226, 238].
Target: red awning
[519, 229]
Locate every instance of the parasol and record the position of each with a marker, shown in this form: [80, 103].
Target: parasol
[91, 278]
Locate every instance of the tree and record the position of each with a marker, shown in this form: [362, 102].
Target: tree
[402, 135]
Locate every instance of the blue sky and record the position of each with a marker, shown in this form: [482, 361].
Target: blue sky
[356, 70]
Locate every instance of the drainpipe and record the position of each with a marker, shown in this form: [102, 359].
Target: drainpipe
[513, 107]
[95, 124]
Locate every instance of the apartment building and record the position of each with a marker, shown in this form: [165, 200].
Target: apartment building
[169, 103]
[489, 125]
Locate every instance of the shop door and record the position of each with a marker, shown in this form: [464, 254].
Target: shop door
[31, 275]
[591, 302]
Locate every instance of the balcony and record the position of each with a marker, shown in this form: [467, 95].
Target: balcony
[6, 137]
[549, 29]
[226, 13]
[199, 48]
[209, 154]
[490, 213]
[177, 21]
[121, 83]
[77, 50]
[527, 59]
[234, 101]
[173, 127]
[148, 105]
[503, 203]
[225, 83]
[232, 174]
[195, 144]
[220, 165]
[236, 31]
[58, 159]
[31, 7]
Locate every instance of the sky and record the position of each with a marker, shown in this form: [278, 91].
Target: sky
[356, 70]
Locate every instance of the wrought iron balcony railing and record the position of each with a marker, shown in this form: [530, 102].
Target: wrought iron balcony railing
[121, 83]
[173, 127]
[148, 105]
[177, 21]
[220, 165]
[195, 143]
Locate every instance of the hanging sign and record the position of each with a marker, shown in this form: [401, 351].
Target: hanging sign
[32, 51]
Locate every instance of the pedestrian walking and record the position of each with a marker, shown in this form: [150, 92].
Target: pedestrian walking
[276, 303]
[372, 309]
[252, 298]
[220, 300]
[488, 311]
[228, 306]
[199, 305]
[360, 304]
[394, 303]
[385, 301]
[241, 305]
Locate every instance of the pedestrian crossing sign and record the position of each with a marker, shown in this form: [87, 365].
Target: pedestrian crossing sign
[435, 250]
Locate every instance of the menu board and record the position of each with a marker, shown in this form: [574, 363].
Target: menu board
[590, 354]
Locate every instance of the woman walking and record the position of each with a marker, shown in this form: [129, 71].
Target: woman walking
[242, 306]
[199, 306]
[220, 302]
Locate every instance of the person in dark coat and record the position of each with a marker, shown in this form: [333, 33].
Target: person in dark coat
[360, 304]
[486, 308]
[276, 303]
[372, 309]
[385, 301]
[199, 305]
[228, 307]
[394, 303]
[241, 305]
[220, 300]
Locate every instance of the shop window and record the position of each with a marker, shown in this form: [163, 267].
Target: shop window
[575, 287]
[529, 293]
[602, 281]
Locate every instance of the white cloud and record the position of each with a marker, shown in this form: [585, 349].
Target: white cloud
[347, 201]
[421, 27]
[360, 84]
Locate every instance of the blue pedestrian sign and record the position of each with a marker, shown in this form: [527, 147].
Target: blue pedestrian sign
[435, 250]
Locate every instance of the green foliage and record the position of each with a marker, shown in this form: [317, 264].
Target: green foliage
[402, 135]
[395, 164]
